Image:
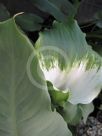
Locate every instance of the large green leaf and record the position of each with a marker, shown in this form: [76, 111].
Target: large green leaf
[69, 62]
[24, 108]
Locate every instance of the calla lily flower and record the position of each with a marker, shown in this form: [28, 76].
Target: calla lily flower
[69, 63]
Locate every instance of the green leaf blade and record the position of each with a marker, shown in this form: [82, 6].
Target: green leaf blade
[24, 108]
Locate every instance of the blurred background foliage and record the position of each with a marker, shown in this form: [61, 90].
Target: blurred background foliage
[39, 14]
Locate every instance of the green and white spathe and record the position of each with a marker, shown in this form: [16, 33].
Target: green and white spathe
[69, 63]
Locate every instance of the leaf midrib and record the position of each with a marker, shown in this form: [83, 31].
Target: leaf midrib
[12, 98]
